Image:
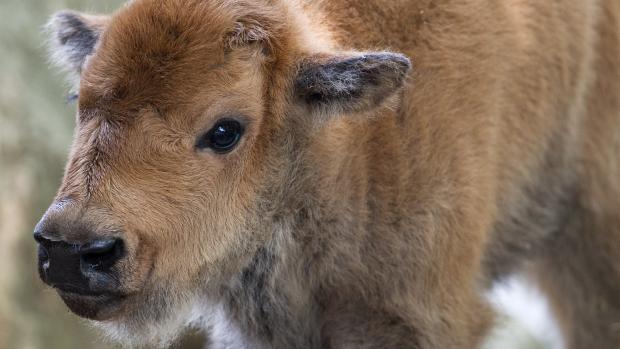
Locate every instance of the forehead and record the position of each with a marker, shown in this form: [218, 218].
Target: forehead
[156, 53]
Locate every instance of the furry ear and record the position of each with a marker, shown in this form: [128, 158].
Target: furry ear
[351, 83]
[73, 37]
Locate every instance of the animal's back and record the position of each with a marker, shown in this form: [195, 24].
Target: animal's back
[516, 104]
[535, 84]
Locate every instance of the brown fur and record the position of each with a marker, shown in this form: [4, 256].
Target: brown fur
[375, 223]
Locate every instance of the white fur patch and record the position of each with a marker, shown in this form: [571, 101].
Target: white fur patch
[161, 331]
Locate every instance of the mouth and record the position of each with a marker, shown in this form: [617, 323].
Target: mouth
[93, 306]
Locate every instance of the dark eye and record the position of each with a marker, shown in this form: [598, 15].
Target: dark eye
[223, 137]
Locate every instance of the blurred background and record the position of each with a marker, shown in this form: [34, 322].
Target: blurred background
[36, 125]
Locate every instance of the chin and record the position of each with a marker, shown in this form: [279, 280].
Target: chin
[150, 320]
[94, 307]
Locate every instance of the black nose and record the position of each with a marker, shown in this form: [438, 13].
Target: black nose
[79, 268]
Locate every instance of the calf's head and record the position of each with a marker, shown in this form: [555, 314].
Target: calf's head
[192, 124]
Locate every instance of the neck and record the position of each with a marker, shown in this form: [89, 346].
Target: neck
[278, 299]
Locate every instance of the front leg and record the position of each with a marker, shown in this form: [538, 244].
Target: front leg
[461, 326]
[365, 329]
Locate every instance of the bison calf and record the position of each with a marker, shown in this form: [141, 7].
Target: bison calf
[338, 174]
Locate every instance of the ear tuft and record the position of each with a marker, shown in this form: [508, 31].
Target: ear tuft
[259, 26]
[350, 83]
[246, 32]
[73, 37]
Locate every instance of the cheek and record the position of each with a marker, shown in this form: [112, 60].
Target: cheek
[182, 241]
[184, 218]
[211, 240]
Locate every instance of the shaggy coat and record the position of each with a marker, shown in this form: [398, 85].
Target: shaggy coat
[398, 157]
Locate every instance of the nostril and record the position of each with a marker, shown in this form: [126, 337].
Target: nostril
[44, 261]
[38, 237]
[97, 247]
[44, 244]
[43, 254]
[100, 254]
